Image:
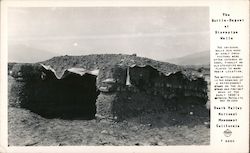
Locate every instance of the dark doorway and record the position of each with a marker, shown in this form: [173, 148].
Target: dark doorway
[72, 97]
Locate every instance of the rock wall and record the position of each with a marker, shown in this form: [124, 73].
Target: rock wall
[117, 91]
[149, 91]
[72, 96]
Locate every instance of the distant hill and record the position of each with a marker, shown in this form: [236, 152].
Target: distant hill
[200, 58]
[25, 54]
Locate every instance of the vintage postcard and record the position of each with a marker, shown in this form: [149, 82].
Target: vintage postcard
[124, 76]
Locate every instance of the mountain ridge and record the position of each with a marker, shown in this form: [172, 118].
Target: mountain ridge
[20, 53]
[199, 58]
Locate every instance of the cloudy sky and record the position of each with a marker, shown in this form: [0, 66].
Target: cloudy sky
[156, 32]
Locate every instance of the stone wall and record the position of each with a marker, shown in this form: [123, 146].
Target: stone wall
[150, 91]
[40, 91]
[117, 91]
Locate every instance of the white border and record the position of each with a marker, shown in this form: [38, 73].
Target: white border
[58, 3]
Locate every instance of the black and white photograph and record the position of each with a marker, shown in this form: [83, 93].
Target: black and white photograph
[108, 76]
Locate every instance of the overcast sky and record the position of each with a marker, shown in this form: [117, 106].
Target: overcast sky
[158, 32]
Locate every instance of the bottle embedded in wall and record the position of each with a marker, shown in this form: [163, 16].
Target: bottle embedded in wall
[128, 82]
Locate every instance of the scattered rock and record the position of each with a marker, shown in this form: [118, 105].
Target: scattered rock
[134, 128]
[137, 144]
[154, 143]
[124, 134]
[206, 123]
[104, 143]
[61, 144]
[111, 132]
[31, 144]
[149, 125]
[161, 143]
[104, 132]
[104, 121]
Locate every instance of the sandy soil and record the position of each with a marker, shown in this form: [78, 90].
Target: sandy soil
[27, 128]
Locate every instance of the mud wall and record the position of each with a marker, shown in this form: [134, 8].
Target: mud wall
[107, 94]
[176, 86]
[73, 96]
[151, 91]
